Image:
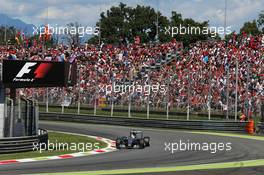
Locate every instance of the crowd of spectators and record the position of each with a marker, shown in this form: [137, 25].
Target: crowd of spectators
[201, 75]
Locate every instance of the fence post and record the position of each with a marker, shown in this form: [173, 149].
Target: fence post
[2, 109]
[236, 89]
[79, 106]
[26, 117]
[62, 104]
[148, 107]
[28, 121]
[36, 107]
[168, 99]
[149, 83]
[5, 117]
[47, 100]
[209, 94]
[112, 98]
[262, 111]
[227, 93]
[79, 93]
[11, 129]
[247, 90]
[112, 107]
[19, 107]
[129, 105]
[96, 92]
[188, 96]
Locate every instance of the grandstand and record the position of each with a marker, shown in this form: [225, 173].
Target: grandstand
[201, 79]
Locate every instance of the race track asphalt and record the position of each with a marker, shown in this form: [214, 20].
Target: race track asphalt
[153, 156]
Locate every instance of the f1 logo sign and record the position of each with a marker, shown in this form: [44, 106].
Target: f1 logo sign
[24, 73]
[25, 69]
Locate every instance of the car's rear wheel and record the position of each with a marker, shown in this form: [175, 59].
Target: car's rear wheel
[147, 141]
[141, 144]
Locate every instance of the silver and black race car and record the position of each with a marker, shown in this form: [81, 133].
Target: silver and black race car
[134, 140]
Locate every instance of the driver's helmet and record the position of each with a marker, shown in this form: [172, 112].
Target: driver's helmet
[133, 135]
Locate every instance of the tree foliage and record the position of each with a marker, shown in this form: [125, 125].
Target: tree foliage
[9, 36]
[193, 26]
[124, 23]
[261, 21]
[250, 27]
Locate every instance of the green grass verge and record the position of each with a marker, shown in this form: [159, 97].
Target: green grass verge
[212, 166]
[55, 137]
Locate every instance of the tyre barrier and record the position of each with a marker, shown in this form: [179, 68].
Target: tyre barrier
[250, 127]
[22, 144]
[155, 123]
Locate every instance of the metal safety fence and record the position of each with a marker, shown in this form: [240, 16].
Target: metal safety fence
[20, 117]
[154, 123]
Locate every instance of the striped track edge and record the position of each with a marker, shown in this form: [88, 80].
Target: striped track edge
[110, 148]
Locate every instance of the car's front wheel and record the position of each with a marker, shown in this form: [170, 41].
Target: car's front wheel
[118, 143]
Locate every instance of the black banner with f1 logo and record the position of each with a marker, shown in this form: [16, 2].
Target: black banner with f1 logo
[20, 74]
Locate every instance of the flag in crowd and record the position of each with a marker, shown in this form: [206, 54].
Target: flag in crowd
[19, 38]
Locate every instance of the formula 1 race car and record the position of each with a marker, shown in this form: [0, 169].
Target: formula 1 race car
[134, 140]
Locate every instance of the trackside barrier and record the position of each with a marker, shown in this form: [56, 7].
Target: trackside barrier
[250, 127]
[260, 128]
[22, 144]
[136, 122]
